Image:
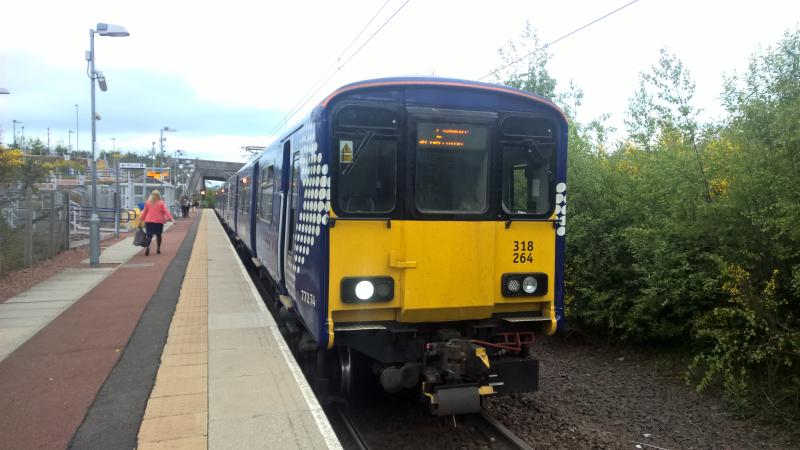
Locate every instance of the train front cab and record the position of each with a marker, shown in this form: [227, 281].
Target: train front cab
[445, 237]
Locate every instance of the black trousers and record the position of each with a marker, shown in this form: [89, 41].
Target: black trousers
[152, 228]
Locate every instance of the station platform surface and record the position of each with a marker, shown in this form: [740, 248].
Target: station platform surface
[171, 350]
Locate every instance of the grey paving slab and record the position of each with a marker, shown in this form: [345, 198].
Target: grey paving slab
[33, 297]
[278, 431]
[6, 313]
[257, 395]
[22, 322]
[120, 252]
[22, 306]
[246, 396]
[255, 340]
[11, 338]
[10, 334]
[250, 319]
[238, 362]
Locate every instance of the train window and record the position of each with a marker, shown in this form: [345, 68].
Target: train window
[294, 199]
[452, 167]
[266, 193]
[367, 140]
[520, 126]
[528, 165]
[365, 117]
[244, 195]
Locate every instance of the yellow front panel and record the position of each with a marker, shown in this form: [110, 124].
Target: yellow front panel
[443, 270]
[453, 278]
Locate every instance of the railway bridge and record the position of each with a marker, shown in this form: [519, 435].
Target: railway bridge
[205, 170]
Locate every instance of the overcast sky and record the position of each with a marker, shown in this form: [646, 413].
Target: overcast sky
[225, 75]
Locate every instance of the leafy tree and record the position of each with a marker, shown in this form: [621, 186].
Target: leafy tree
[690, 232]
[210, 197]
[528, 51]
[60, 149]
[10, 163]
[31, 172]
[662, 103]
[35, 146]
[753, 338]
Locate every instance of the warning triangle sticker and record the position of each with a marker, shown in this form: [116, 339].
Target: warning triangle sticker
[346, 152]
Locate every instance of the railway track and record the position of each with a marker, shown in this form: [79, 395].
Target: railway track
[496, 435]
[499, 437]
[350, 426]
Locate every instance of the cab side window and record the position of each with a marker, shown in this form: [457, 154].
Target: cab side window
[266, 193]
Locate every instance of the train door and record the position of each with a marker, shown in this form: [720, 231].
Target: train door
[254, 190]
[291, 210]
[235, 205]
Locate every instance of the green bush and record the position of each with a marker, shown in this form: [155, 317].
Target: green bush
[689, 233]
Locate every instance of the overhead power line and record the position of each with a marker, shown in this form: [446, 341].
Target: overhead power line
[305, 98]
[310, 90]
[538, 49]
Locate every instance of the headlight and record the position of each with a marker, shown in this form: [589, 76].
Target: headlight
[523, 284]
[513, 285]
[529, 285]
[366, 289]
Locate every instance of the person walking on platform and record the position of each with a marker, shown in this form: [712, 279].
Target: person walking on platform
[154, 215]
[185, 206]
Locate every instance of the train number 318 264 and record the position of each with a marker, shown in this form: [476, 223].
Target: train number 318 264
[523, 252]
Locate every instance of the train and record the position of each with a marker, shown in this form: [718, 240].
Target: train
[412, 230]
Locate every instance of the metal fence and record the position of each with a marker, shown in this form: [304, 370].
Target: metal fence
[33, 226]
[81, 215]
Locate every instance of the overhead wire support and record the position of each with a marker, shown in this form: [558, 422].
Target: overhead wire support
[308, 98]
[303, 98]
[538, 49]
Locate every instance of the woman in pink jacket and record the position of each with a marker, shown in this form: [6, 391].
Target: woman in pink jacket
[154, 215]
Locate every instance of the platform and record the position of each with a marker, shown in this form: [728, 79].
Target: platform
[168, 351]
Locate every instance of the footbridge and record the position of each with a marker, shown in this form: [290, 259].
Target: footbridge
[209, 170]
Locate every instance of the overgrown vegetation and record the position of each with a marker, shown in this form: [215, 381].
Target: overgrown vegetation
[688, 231]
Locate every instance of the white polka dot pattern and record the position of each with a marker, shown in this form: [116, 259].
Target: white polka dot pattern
[315, 197]
[561, 208]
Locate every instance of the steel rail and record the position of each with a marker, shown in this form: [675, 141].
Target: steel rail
[496, 432]
[358, 440]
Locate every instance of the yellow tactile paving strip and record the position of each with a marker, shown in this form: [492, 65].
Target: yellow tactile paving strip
[177, 411]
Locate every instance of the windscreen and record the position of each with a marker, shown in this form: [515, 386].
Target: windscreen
[528, 165]
[452, 161]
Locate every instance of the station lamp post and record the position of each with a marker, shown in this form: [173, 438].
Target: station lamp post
[117, 201]
[15, 132]
[103, 29]
[161, 156]
[77, 129]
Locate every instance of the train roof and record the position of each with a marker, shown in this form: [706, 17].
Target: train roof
[438, 81]
[421, 81]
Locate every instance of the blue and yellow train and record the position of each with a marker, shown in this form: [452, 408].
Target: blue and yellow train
[417, 225]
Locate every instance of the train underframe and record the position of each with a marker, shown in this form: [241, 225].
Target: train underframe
[454, 365]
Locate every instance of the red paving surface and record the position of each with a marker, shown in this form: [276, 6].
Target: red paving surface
[49, 383]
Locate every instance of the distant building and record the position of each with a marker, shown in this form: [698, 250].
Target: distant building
[133, 191]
